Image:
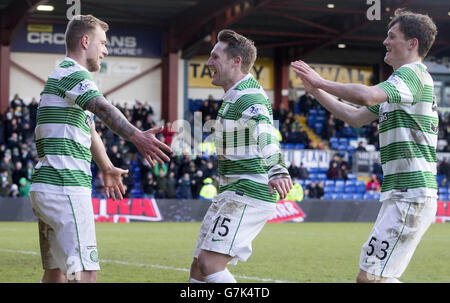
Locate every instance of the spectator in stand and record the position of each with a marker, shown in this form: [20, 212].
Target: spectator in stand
[197, 184]
[444, 182]
[115, 156]
[32, 109]
[139, 112]
[148, 108]
[99, 185]
[343, 171]
[25, 154]
[138, 125]
[320, 190]
[303, 172]
[284, 134]
[216, 108]
[208, 190]
[360, 147]
[306, 102]
[14, 191]
[373, 185]
[6, 164]
[27, 133]
[377, 169]
[17, 105]
[11, 127]
[333, 171]
[148, 122]
[168, 133]
[207, 108]
[149, 186]
[294, 170]
[372, 133]
[29, 168]
[13, 141]
[18, 172]
[171, 186]
[5, 183]
[184, 186]
[16, 157]
[162, 184]
[329, 128]
[444, 168]
[128, 183]
[210, 170]
[311, 190]
[301, 136]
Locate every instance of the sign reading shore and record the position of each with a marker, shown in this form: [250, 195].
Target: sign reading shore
[121, 41]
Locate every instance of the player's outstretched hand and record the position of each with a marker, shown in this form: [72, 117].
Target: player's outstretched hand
[113, 182]
[283, 185]
[150, 147]
[305, 72]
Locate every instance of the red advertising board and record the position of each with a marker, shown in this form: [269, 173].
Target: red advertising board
[126, 210]
[443, 212]
[287, 211]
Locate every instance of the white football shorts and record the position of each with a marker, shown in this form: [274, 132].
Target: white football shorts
[66, 231]
[229, 228]
[395, 236]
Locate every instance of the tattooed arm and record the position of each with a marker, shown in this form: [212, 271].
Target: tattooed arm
[112, 175]
[145, 141]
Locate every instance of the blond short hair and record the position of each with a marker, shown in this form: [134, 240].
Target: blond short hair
[79, 26]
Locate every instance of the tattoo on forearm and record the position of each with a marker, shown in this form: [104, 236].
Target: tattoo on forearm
[111, 116]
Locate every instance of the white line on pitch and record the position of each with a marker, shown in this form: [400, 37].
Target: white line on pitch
[28, 252]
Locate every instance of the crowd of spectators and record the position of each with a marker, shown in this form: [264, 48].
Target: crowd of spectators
[184, 176]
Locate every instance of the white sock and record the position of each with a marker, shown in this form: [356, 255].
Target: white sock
[392, 280]
[192, 280]
[223, 276]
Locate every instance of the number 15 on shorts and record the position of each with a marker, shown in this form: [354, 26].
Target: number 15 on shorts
[220, 229]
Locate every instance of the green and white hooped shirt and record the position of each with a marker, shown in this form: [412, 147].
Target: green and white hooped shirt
[247, 146]
[408, 128]
[63, 135]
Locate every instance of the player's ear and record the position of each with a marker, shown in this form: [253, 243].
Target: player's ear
[237, 60]
[413, 43]
[85, 41]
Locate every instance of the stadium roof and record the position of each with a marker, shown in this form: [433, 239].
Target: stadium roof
[299, 28]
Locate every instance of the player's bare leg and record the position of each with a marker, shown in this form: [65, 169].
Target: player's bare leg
[54, 276]
[213, 266]
[196, 275]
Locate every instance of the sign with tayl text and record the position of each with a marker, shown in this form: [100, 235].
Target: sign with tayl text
[200, 75]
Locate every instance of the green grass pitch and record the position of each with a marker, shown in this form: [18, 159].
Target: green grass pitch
[282, 252]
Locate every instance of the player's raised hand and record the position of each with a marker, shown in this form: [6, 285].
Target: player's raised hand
[113, 182]
[305, 72]
[150, 147]
[283, 185]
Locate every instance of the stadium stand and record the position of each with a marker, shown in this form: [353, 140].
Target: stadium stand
[17, 145]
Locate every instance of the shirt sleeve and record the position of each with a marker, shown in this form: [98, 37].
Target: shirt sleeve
[259, 122]
[82, 88]
[402, 86]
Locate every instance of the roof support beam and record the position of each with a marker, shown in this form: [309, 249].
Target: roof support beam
[304, 21]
